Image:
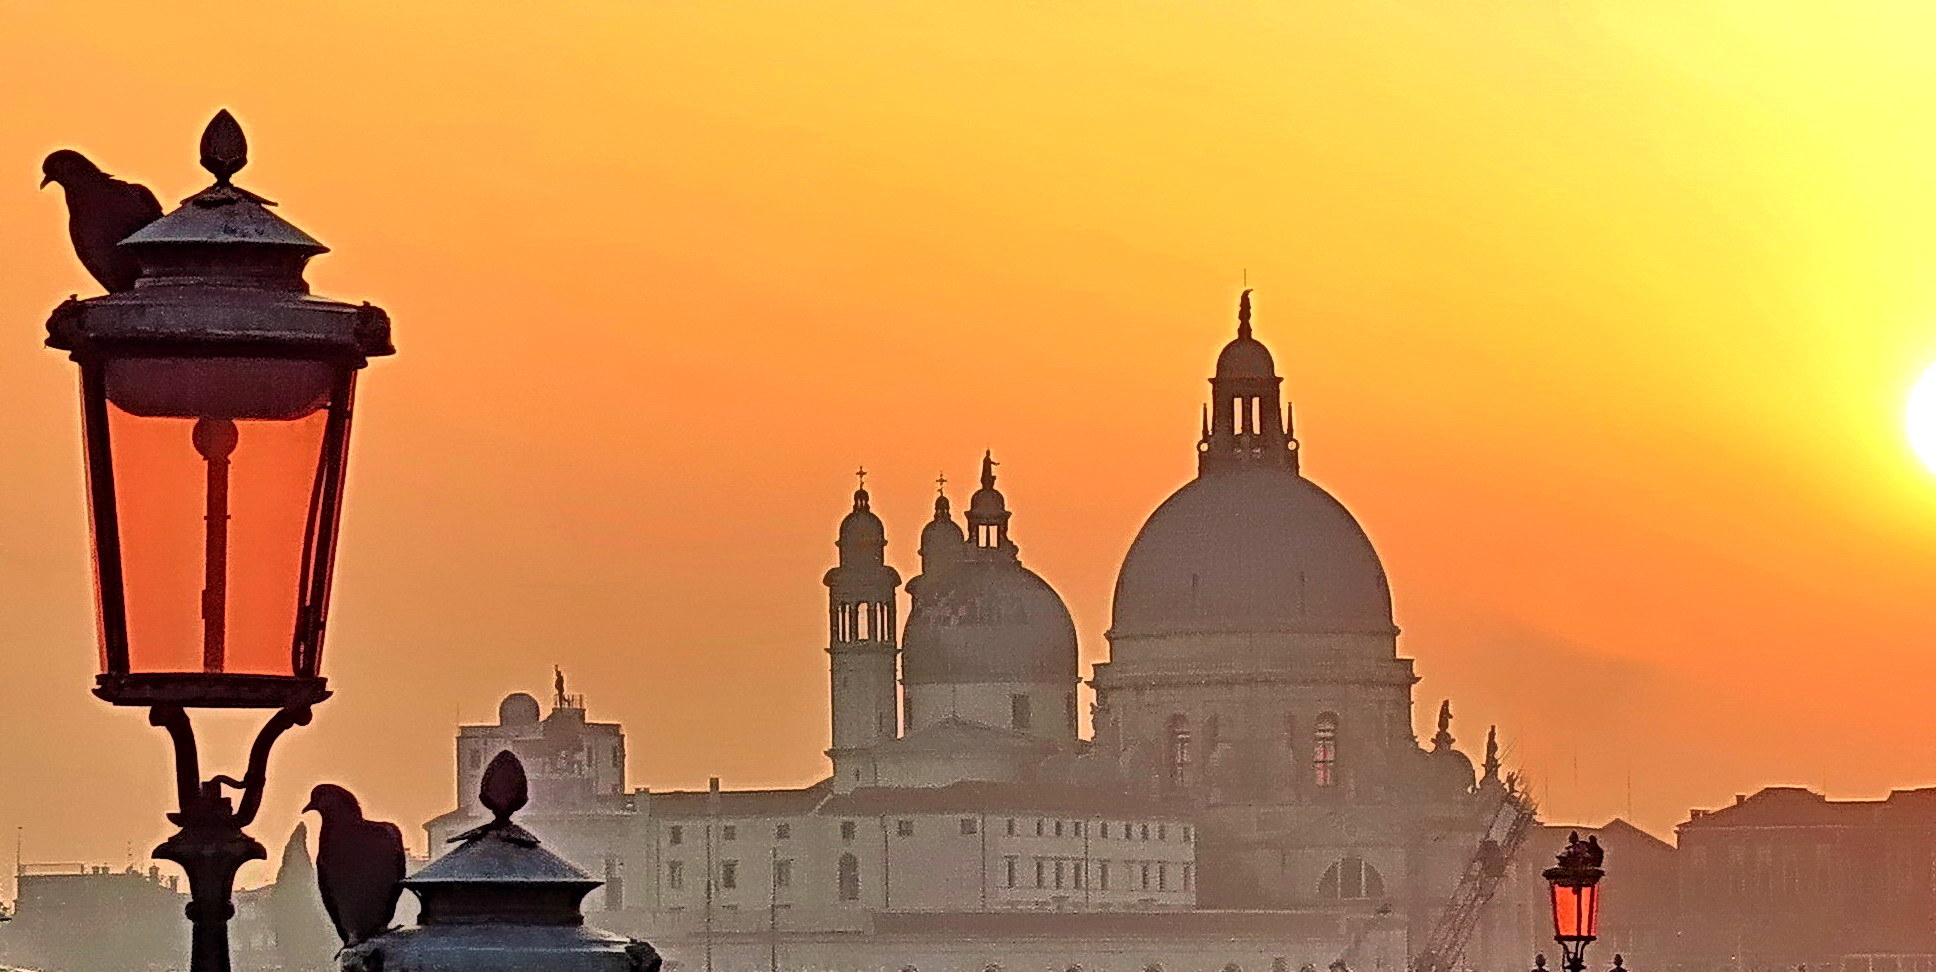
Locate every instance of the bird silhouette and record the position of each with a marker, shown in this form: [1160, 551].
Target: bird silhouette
[101, 212]
[359, 865]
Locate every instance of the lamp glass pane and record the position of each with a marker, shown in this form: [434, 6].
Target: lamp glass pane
[1576, 911]
[216, 466]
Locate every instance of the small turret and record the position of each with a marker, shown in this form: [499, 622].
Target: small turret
[941, 540]
[988, 516]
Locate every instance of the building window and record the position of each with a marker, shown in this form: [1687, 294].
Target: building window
[1177, 752]
[675, 835]
[783, 831]
[1041, 869]
[1075, 870]
[783, 874]
[618, 759]
[1102, 830]
[1040, 826]
[728, 832]
[729, 874]
[1189, 877]
[1102, 875]
[968, 828]
[1008, 871]
[1058, 828]
[849, 878]
[1058, 874]
[1144, 869]
[1078, 826]
[1189, 834]
[1351, 879]
[1146, 831]
[675, 875]
[846, 830]
[1018, 712]
[1324, 750]
[904, 828]
[1162, 831]
[1162, 877]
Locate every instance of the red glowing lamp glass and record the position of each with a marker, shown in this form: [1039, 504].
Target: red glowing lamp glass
[215, 400]
[1575, 884]
[216, 484]
[1576, 911]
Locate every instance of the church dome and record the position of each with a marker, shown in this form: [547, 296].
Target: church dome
[987, 621]
[861, 529]
[1245, 357]
[517, 709]
[1252, 550]
[1446, 773]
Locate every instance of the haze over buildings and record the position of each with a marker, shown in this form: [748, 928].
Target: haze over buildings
[1609, 365]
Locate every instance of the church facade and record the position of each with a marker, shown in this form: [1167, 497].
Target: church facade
[1253, 787]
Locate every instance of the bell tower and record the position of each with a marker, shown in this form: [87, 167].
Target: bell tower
[862, 644]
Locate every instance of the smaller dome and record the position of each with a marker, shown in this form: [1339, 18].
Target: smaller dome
[862, 527]
[987, 503]
[863, 538]
[517, 709]
[987, 621]
[1245, 357]
[1448, 772]
[942, 537]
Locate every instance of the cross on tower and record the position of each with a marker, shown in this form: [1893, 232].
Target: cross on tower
[861, 474]
[941, 484]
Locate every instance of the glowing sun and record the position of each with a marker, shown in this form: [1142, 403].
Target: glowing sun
[1922, 418]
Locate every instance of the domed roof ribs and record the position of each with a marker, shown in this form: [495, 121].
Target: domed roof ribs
[1246, 426]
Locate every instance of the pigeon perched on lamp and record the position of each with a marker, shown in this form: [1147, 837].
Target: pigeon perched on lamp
[101, 212]
[359, 865]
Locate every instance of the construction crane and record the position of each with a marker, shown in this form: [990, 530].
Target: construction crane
[1511, 821]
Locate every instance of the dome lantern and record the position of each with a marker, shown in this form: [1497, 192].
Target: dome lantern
[1247, 424]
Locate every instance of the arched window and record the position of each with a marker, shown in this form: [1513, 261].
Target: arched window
[849, 878]
[1324, 750]
[1351, 879]
[1177, 753]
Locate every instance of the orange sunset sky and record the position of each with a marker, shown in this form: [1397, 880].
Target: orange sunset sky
[1599, 315]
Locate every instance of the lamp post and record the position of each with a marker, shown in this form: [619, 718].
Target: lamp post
[215, 401]
[1575, 886]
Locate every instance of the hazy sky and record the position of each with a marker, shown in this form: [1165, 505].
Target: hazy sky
[1600, 315]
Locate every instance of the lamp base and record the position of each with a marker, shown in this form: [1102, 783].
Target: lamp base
[211, 690]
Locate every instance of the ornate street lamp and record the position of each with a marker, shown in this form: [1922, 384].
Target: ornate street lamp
[215, 401]
[1575, 885]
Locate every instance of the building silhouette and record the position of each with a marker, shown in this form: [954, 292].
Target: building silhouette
[1787, 879]
[1253, 754]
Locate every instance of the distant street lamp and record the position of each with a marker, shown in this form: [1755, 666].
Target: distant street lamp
[215, 402]
[1575, 885]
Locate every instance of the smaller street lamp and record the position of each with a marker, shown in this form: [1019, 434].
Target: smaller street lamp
[215, 402]
[1575, 886]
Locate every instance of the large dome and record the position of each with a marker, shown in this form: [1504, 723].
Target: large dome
[987, 621]
[1258, 550]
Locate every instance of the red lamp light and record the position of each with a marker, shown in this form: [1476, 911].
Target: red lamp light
[216, 398]
[1575, 886]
